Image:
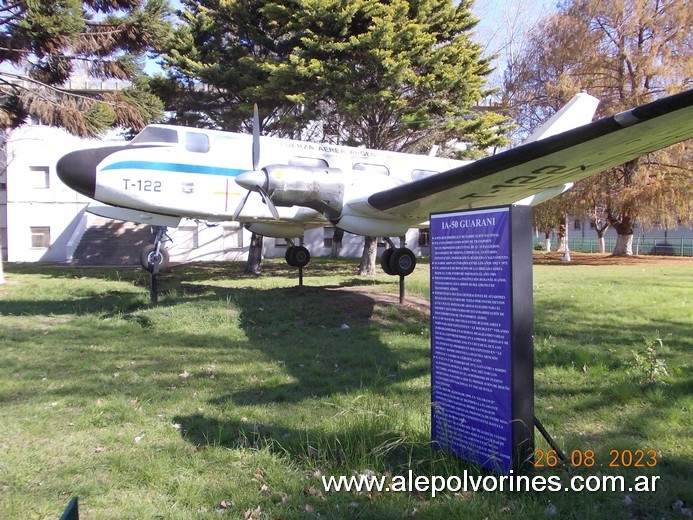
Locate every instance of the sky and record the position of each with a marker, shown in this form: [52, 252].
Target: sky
[499, 20]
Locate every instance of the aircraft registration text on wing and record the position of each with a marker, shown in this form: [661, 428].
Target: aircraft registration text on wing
[280, 187]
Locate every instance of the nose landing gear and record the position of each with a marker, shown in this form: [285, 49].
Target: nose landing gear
[155, 256]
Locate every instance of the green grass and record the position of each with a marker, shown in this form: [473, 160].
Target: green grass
[245, 390]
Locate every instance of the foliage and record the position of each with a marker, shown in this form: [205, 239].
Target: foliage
[626, 54]
[647, 362]
[396, 75]
[43, 44]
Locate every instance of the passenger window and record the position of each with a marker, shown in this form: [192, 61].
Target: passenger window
[310, 162]
[196, 142]
[373, 168]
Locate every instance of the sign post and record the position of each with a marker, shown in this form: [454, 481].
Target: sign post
[482, 382]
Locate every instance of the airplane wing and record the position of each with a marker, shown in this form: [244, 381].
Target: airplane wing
[538, 166]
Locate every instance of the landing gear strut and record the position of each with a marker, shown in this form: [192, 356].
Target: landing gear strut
[398, 261]
[297, 256]
[155, 258]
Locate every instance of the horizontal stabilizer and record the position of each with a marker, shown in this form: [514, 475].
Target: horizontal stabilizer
[577, 112]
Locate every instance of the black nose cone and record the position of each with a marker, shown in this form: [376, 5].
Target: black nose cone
[78, 169]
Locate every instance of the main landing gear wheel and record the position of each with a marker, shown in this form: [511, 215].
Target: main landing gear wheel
[297, 256]
[385, 261]
[149, 257]
[400, 261]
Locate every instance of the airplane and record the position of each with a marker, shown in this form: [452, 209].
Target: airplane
[170, 172]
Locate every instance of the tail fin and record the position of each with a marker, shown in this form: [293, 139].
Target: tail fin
[577, 112]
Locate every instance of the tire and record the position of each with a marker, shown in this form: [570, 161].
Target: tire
[298, 256]
[147, 258]
[385, 261]
[287, 255]
[402, 262]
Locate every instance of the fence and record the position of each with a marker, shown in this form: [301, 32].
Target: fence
[641, 246]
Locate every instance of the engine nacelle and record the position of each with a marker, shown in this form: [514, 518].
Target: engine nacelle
[276, 230]
[371, 227]
[321, 189]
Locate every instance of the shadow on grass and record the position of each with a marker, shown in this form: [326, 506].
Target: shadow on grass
[191, 272]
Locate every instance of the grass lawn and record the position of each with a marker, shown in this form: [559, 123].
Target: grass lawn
[236, 394]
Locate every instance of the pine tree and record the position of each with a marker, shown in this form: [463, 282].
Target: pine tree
[43, 44]
[398, 75]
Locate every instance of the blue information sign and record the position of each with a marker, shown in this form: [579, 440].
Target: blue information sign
[473, 334]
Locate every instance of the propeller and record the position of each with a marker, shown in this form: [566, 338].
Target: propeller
[255, 179]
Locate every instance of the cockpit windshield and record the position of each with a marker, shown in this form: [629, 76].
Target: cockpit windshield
[156, 134]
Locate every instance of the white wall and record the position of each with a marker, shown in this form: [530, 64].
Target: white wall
[35, 195]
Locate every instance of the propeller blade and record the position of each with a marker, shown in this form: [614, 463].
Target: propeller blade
[256, 137]
[248, 180]
[240, 206]
[267, 200]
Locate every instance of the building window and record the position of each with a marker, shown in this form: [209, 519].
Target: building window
[189, 237]
[41, 237]
[577, 224]
[3, 186]
[327, 236]
[40, 178]
[232, 237]
[424, 237]
[3, 244]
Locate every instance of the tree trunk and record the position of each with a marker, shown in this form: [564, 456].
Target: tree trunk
[337, 238]
[624, 242]
[624, 245]
[370, 252]
[547, 242]
[561, 238]
[600, 227]
[254, 265]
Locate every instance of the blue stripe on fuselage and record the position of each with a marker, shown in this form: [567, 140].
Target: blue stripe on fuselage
[174, 167]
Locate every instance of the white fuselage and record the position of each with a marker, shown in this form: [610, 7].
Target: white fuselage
[182, 171]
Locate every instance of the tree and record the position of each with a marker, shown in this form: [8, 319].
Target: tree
[224, 57]
[399, 75]
[548, 217]
[626, 53]
[43, 44]
[221, 60]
